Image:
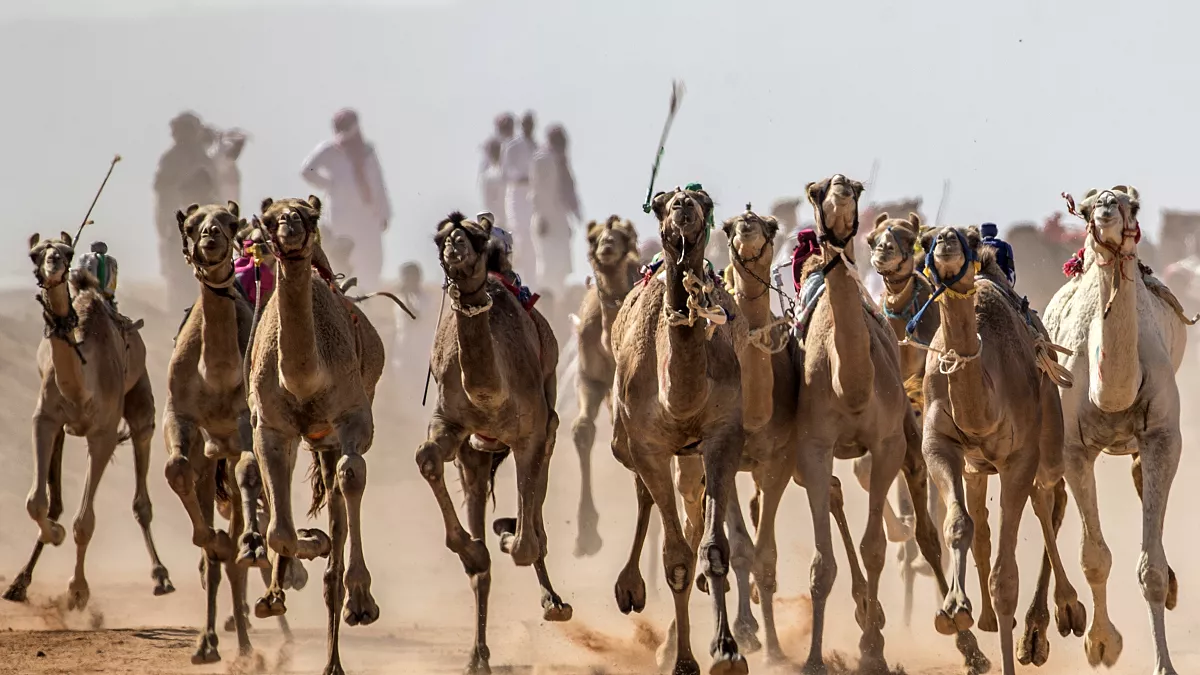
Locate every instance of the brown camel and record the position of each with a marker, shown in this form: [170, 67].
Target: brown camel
[92, 362]
[612, 252]
[315, 359]
[494, 362]
[989, 410]
[206, 420]
[853, 404]
[906, 291]
[678, 395]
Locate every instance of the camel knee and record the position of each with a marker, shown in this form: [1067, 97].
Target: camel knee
[715, 558]
[143, 510]
[249, 477]
[83, 527]
[823, 574]
[1004, 587]
[179, 475]
[583, 431]
[1096, 560]
[430, 461]
[37, 504]
[352, 475]
[1153, 578]
[873, 551]
[960, 529]
[678, 559]
[281, 538]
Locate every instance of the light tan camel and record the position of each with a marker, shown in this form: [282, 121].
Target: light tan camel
[92, 362]
[314, 362]
[206, 420]
[678, 394]
[989, 410]
[1124, 329]
[612, 252]
[892, 244]
[494, 362]
[854, 403]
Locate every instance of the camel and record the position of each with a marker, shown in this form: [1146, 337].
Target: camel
[612, 252]
[315, 360]
[206, 421]
[853, 404]
[494, 362]
[1129, 406]
[989, 410]
[892, 243]
[678, 394]
[92, 362]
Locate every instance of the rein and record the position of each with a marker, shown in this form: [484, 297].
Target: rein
[942, 286]
[61, 327]
[1114, 250]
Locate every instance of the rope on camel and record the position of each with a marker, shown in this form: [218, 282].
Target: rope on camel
[700, 306]
[949, 360]
[765, 338]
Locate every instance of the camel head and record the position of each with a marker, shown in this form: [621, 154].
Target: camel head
[952, 252]
[463, 246]
[51, 258]
[684, 218]
[892, 242]
[751, 236]
[1112, 216]
[611, 242]
[209, 234]
[291, 226]
[835, 203]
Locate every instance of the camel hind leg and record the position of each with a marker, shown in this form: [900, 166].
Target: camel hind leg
[355, 434]
[475, 470]
[18, 589]
[741, 551]
[1050, 505]
[886, 460]
[1102, 642]
[38, 503]
[100, 451]
[1162, 448]
[583, 432]
[630, 588]
[334, 586]
[772, 482]
[1172, 582]
[139, 415]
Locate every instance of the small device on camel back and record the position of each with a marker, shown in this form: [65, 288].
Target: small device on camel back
[101, 266]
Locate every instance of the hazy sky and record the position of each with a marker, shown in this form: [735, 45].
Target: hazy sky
[1014, 102]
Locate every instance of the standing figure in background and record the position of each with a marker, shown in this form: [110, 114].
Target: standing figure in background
[516, 162]
[491, 178]
[185, 175]
[555, 201]
[229, 178]
[505, 126]
[347, 169]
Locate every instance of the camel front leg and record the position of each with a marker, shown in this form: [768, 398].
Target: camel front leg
[1102, 643]
[236, 574]
[772, 482]
[858, 582]
[100, 451]
[1015, 485]
[689, 485]
[139, 415]
[885, 466]
[522, 541]
[1050, 505]
[553, 607]
[334, 588]
[898, 528]
[18, 589]
[583, 432]
[1172, 582]
[722, 456]
[474, 470]
[630, 588]
[183, 468]
[355, 434]
[1161, 449]
[252, 548]
[741, 551]
[816, 467]
[981, 544]
[945, 465]
[206, 644]
[37, 504]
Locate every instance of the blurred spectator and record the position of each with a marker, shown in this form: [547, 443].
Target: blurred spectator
[185, 176]
[555, 202]
[516, 162]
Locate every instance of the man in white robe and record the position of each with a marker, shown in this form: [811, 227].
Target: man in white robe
[516, 163]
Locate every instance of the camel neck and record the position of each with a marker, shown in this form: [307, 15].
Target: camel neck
[300, 368]
[753, 300]
[685, 380]
[853, 368]
[68, 367]
[1115, 374]
[220, 354]
[482, 379]
[972, 403]
[613, 283]
[752, 295]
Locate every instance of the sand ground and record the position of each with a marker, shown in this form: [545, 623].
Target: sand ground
[425, 600]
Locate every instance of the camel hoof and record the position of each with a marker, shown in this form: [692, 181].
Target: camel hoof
[1172, 589]
[162, 581]
[588, 543]
[253, 551]
[78, 595]
[206, 650]
[729, 664]
[58, 534]
[313, 543]
[872, 665]
[478, 665]
[815, 666]
[1103, 645]
[1034, 646]
[747, 637]
[949, 625]
[1071, 618]
[230, 624]
[775, 658]
[988, 622]
[973, 658]
[296, 577]
[17, 590]
[631, 591]
[271, 604]
[556, 610]
[360, 609]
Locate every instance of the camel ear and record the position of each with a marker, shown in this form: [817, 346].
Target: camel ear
[913, 223]
[315, 202]
[266, 204]
[772, 227]
[973, 237]
[180, 217]
[659, 205]
[880, 218]
[816, 192]
[593, 232]
[858, 189]
[727, 227]
[927, 238]
[66, 238]
[626, 226]
[34, 240]
[234, 209]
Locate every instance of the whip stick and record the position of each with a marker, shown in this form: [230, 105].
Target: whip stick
[115, 159]
[676, 97]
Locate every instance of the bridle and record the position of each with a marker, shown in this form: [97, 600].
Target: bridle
[909, 284]
[61, 327]
[746, 262]
[202, 270]
[452, 288]
[943, 286]
[1116, 251]
[276, 248]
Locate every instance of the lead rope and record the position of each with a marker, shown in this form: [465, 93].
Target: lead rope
[429, 370]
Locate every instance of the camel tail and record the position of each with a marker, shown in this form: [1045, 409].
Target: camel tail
[497, 459]
[222, 481]
[316, 478]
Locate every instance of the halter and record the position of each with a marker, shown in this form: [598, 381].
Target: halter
[451, 288]
[1118, 256]
[914, 303]
[827, 238]
[941, 286]
[61, 327]
[745, 262]
[201, 270]
[277, 249]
